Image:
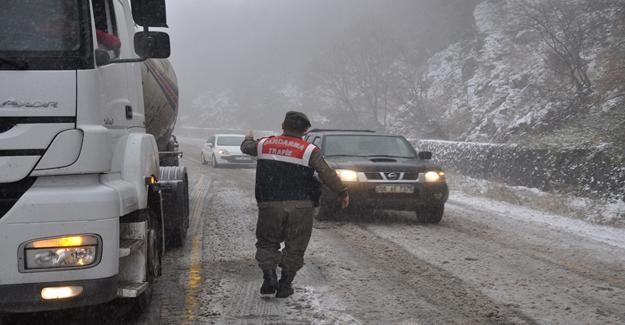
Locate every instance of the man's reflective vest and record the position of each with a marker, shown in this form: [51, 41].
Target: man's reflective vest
[283, 172]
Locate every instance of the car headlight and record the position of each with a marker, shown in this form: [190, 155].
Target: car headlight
[61, 252]
[223, 152]
[347, 175]
[433, 177]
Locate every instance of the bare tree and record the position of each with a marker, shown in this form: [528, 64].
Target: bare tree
[362, 75]
[613, 77]
[563, 28]
[331, 84]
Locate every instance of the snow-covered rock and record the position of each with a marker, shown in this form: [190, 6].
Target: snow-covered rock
[497, 86]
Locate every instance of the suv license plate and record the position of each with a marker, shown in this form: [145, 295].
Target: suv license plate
[406, 189]
[241, 158]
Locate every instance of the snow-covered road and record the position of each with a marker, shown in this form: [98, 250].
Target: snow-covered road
[486, 263]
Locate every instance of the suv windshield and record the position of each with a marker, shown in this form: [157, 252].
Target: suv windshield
[48, 34]
[368, 146]
[231, 141]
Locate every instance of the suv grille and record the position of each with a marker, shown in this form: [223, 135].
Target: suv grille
[392, 176]
[11, 192]
[373, 176]
[411, 176]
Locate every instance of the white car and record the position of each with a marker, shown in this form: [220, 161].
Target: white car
[225, 149]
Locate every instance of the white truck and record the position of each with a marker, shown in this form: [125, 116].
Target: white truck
[87, 99]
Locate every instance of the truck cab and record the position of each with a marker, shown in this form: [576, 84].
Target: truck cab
[81, 221]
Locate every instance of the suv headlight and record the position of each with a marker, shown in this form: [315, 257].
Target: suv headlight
[223, 152]
[433, 177]
[347, 175]
[61, 252]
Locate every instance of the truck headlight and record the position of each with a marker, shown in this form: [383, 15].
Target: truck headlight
[61, 252]
[55, 293]
[347, 175]
[433, 177]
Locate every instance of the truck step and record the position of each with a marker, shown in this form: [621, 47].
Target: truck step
[128, 246]
[131, 289]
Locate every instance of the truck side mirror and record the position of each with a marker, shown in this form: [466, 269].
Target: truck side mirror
[425, 155]
[152, 45]
[102, 57]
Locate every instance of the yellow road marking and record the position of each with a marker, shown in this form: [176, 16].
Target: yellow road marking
[194, 280]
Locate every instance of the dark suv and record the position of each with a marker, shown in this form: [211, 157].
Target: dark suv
[382, 171]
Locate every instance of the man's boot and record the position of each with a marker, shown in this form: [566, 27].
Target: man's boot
[286, 288]
[270, 283]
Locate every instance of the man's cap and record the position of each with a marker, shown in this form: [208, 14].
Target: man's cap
[293, 115]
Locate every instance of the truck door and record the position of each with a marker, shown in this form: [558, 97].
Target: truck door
[115, 88]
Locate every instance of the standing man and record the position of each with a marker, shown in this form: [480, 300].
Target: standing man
[287, 192]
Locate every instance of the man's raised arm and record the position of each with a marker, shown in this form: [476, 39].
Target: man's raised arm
[249, 146]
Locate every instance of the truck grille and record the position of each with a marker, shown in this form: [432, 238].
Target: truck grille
[11, 192]
[5, 126]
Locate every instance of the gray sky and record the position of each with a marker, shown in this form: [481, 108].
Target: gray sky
[220, 43]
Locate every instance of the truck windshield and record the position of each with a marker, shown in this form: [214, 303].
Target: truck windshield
[368, 146]
[52, 34]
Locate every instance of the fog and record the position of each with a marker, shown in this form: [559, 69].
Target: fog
[259, 56]
[224, 45]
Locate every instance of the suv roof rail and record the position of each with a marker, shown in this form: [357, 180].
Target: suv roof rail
[339, 130]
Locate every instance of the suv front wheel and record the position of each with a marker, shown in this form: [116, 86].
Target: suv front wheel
[328, 208]
[430, 214]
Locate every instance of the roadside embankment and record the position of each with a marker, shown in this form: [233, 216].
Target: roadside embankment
[587, 183]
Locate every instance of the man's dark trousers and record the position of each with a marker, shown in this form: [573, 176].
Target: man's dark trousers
[283, 221]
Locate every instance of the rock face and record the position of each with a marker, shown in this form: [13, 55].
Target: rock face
[497, 87]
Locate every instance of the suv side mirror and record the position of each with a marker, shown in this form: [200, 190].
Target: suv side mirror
[425, 155]
[152, 45]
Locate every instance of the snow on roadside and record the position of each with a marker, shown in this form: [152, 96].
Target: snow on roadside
[604, 234]
[601, 212]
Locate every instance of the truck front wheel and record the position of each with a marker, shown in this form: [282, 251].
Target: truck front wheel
[153, 268]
